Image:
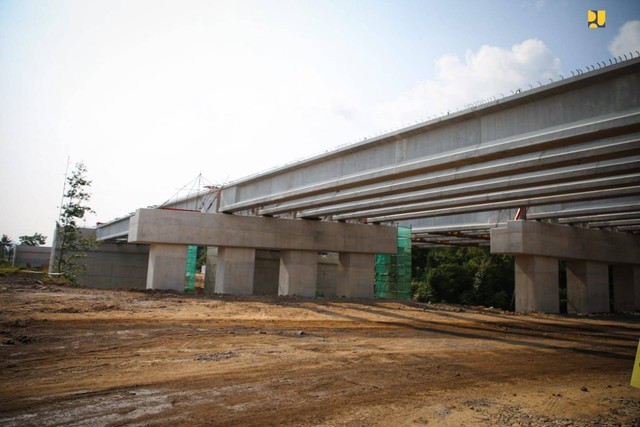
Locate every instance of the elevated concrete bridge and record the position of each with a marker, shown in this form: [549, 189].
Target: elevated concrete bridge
[566, 153]
[549, 149]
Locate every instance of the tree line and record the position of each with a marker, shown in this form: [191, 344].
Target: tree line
[7, 243]
[468, 276]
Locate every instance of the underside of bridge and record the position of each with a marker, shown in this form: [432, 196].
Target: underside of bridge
[563, 156]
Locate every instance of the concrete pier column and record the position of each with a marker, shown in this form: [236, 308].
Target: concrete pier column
[356, 275]
[626, 288]
[587, 287]
[537, 286]
[298, 273]
[327, 275]
[210, 275]
[234, 271]
[267, 272]
[167, 264]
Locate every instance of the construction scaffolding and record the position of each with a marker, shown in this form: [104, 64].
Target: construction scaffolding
[393, 271]
[190, 271]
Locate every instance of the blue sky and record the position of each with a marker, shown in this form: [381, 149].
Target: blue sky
[151, 93]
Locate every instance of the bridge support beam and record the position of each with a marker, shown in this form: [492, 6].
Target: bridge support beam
[167, 265]
[588, 254]
[356, 275]
[626, 288]
[587, 287]
[234, 271]
[298, 273]
[238, 237]
[537, 284]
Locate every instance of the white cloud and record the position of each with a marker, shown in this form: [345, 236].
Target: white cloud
[481, 75]
[627, 40]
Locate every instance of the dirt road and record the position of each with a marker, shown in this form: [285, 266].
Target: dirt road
[78, 356]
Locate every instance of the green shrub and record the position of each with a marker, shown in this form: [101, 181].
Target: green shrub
[421, 291]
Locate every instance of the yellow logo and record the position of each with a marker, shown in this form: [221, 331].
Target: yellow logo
[596, 18]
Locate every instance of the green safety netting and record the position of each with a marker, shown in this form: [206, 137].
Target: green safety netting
[190, 271]
[393, 271]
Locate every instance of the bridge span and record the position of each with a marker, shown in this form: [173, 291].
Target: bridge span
[566, 154]
[565, 146]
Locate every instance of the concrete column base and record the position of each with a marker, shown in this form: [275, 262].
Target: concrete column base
[356, 275]
[167, 264]
[234, 271]
[298, 273]
[626, 288]
[537, 286]
[587, 287]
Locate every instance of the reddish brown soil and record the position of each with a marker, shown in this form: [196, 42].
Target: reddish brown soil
[78, 356]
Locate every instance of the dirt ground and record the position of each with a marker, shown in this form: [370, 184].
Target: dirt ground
[79, 356]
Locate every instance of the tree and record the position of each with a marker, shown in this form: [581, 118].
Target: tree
[469, 275]
[5, 247]
[73, 243]
[36, 239]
